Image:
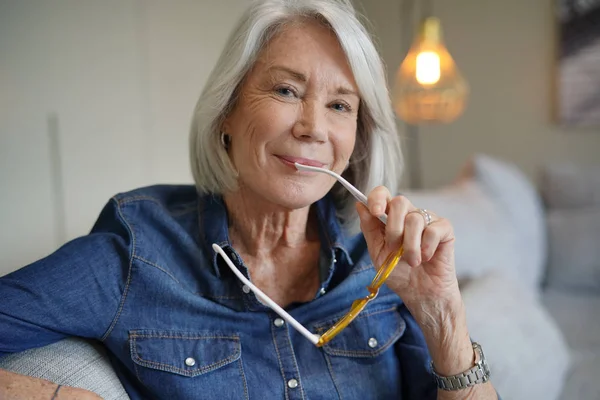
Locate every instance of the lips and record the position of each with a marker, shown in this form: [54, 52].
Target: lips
[300, 160]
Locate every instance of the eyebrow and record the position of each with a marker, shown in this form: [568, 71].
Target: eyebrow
[295, 74]
[302, 78]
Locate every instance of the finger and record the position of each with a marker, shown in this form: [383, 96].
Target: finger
[369, 223]
[377, 200]
[398, 207]
[437, 232]
[413, 230]
[430, 241]
[372, 229]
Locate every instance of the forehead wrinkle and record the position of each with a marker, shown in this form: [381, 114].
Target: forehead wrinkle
[272, 66]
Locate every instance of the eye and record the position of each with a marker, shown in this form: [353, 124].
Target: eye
[285, 91]
[343, 107]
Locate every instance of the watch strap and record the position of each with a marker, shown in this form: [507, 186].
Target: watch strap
[479, 373]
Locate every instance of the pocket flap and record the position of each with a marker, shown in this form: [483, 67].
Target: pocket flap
[183, 353]
[369, 335]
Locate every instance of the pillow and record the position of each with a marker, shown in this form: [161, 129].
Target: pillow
[484, 238]
[525, 349]
[520, 204]
[571, 186]
[71, 362]
[574, 248]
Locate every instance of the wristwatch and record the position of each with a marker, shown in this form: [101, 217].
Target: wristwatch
[480, 373]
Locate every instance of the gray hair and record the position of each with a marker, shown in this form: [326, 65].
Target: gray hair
[376, 160]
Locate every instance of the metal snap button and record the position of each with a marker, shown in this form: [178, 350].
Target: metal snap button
[190, 362]
[292, 383]
[372, 342]
[278, 322]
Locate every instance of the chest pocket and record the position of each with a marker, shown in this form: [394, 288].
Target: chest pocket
[361, 359]
[175, 364]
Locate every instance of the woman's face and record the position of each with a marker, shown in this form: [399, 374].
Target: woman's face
[299, 103]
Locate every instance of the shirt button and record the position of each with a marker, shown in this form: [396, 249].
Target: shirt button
[278, 322]
[190, 362]
[246, 289]
[292, 383]
[372, 342]
[334, 260]
[322, 291]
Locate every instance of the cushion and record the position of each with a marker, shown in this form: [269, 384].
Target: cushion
[574, 248]
[527, 353]
[498, 219]
[571, 186]
[576, 313]
[484, 238]
[71, 362]
[522, 207]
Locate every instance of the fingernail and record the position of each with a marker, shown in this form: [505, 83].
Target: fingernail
[377, 209]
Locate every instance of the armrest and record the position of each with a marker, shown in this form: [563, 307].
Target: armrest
[71, 362]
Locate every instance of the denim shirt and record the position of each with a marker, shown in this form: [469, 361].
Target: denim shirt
[178, 324]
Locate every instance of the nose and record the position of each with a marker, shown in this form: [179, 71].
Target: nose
[312, 122]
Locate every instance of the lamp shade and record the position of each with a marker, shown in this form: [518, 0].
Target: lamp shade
[429, 87]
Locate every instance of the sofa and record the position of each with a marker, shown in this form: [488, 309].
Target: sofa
[572, 285]
[528, 262]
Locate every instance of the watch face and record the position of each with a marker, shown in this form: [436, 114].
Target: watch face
[478, 353]
[486, 369]
[483, 362]
[480, 360]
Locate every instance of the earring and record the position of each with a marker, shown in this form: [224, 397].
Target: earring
[225, 139]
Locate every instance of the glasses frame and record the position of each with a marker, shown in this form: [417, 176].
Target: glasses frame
[357, 305]
[355, 309]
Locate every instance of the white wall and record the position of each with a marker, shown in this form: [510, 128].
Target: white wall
[506, 50]
[120, 79]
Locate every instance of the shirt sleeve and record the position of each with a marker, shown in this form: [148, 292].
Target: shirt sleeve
[417, 381]
[75, 291]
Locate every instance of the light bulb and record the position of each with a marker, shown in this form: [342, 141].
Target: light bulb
[429, 87]
[428, 67]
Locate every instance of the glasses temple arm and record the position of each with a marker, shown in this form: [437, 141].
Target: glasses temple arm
[358, 195]
[265, 299]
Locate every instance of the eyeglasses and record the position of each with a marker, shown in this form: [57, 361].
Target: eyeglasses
[357, 306]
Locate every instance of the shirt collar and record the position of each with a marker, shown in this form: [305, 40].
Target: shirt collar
[330, 231]
[214, 227]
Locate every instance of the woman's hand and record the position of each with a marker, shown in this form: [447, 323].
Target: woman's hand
[425, 277]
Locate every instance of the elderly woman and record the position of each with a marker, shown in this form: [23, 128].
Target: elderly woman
[298, 82]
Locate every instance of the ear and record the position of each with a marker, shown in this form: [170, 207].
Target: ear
[226, 125]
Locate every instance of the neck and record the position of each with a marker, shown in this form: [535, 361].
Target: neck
[258, 227]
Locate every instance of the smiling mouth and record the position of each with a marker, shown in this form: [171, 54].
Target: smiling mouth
[288, 160]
